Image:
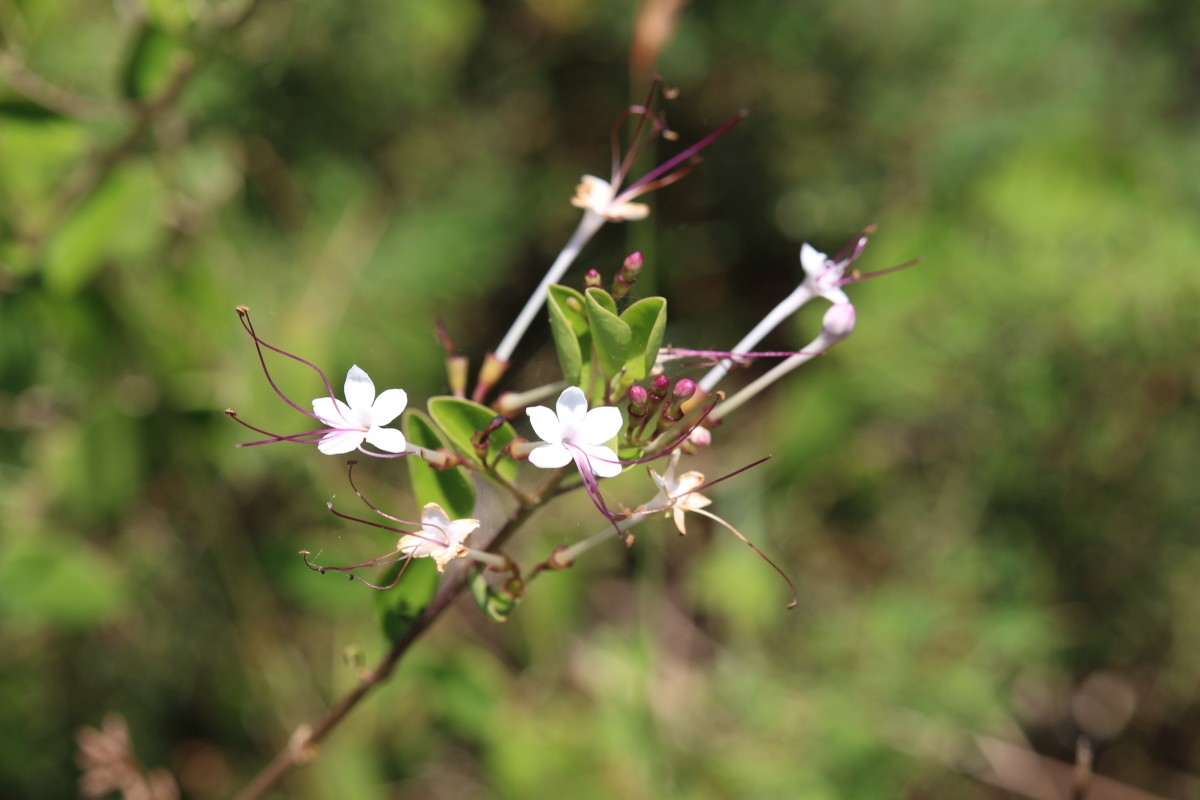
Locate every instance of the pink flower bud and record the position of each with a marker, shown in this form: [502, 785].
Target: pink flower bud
[684, 388]
[638, 397]
[838, 322]
[591, 279]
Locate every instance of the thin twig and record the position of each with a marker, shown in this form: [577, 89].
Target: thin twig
[299, 750]
[36, 88]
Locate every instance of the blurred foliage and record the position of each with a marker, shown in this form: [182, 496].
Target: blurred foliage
[985, 494]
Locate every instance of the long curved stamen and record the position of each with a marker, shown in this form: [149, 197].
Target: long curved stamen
[350, 477]
[622, 165]
[791, 586]
[679, 158]
[706, 357]
[855, 277]
[307, 437]
[259, 344]
[381, 561]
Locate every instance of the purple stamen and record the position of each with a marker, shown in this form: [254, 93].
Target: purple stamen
[244, 316]
[641, 184]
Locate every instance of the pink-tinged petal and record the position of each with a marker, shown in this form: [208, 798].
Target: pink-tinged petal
[545, 424]
[813, 260]
[389, 440]
[603, 461]
[360, 389]
[339, 442]
[572, 406]
[550, 456]
[333, 412]
[600, 425]
[388, 406]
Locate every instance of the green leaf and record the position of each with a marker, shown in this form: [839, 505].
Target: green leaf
[611, 334]
[460, 420]
[496, 604]
[111, 225]
[449, 488]
[569, 325]
[647, 319]
[148, 66]
[399, 607]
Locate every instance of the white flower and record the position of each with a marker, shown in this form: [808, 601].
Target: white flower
[596, 194]
[677, 493]
[574, 428]
[362, 417]
[823, 276]
[440, 539]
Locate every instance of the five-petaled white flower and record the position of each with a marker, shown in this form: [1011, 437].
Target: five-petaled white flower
[823, 275]
[596, 194]
[362, 417]
[677, 493]
[440, 538]
[575, 431]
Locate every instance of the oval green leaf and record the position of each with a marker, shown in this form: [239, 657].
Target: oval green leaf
[611, 334]
[460, 420]
[449, 488]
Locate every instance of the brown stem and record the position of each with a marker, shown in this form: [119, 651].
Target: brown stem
[298, 751]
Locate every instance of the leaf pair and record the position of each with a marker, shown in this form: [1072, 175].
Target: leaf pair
[592, 339]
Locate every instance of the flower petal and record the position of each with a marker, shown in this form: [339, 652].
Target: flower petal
[436, 522]
[550, 456]
[388, 406]
[624, 212]
[388, 440]
[337, 442]
[415, 545]
[813, 260]
[600, 425]
[602, 460]
[460, 529]
[572, 406]
[545, 424]
[333, 412]
[360, 389]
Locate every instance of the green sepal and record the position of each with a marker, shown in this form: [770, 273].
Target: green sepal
[401, 606]
[647, 319]
[449, 488]
[460, 420]
[496, 604]
[569, 326]
[610, 334]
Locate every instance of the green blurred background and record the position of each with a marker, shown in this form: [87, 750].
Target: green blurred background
[985, 496]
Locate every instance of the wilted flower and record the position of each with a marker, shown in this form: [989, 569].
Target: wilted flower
[677, 493]
[596, 194]
[440, 539]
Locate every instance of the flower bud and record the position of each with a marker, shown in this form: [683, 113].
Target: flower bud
[684, 389]
[592, 279]
[700, 437]
[659, 386]
[638, 397]
[627, 275]
[838, 322]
